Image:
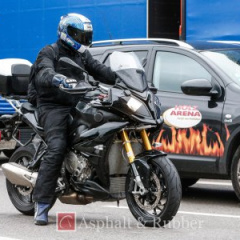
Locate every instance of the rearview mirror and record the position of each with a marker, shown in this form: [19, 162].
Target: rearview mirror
[67, 62]
[66, 65]
[199, 87]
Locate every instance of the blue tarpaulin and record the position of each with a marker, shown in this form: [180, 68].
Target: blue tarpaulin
[28, 25]
[213, 20]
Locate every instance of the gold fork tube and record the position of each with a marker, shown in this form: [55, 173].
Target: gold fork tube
[145, 140]
[128, 146]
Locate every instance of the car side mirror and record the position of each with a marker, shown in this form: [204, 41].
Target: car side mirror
[153, 90]
[199, 87]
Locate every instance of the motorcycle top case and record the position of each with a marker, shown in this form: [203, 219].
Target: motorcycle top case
[14, 76]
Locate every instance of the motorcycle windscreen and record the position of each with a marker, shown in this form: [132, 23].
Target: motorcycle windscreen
[129, 69]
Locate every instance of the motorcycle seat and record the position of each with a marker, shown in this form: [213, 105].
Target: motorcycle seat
[30, 116]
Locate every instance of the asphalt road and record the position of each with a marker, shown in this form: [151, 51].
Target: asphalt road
[209, 210]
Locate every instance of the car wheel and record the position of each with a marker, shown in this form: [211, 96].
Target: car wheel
[235, 172]
[187, 182]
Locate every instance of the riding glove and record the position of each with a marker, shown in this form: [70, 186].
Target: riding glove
[61, 79]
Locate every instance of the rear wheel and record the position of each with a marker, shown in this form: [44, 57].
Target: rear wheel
[161, 203]
[21, 197]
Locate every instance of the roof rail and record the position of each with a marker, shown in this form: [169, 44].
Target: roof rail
[126, 41]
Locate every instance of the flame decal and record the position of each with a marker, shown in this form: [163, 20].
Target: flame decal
[192, 141]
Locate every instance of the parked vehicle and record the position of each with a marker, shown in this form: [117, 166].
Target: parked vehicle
[13, 71]
[106, 160]
[199, 88]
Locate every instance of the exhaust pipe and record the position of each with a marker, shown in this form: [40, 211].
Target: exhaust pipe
[19, 175]
[76, 199]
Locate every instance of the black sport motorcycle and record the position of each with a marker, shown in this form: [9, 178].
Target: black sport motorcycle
[109, 156]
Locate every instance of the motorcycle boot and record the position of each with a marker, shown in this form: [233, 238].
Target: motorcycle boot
[41, 213]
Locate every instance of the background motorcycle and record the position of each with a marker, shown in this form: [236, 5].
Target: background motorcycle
[109, 156]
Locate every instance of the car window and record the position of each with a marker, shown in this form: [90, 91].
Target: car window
[142, 55]
[228, 60]
[172, 69]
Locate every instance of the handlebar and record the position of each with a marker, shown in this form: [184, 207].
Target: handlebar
[81, 90]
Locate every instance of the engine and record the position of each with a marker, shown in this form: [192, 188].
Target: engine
[78, 166]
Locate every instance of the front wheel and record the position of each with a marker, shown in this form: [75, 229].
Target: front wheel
[161, 203]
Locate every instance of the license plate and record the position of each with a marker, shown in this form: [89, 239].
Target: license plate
[11, 144]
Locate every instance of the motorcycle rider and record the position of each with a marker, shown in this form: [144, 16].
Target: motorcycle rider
[74, 34]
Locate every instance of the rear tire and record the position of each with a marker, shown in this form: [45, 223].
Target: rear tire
[164, 194]
[21, 197]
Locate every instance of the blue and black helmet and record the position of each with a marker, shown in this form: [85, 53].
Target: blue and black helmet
[75, 30]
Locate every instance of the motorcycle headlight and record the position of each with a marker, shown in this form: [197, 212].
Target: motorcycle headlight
[138, 107]
[134, 104]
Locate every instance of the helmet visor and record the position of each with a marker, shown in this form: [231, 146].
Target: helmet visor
[84, 38]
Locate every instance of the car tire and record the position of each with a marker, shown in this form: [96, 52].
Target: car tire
[187, 182]
[235, 172]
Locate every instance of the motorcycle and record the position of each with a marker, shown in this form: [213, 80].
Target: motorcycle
[109, 155]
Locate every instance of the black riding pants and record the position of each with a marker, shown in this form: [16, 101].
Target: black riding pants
[54, 120]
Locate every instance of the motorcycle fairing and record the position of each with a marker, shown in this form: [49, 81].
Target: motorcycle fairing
[98, 135]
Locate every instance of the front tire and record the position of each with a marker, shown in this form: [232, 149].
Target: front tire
[162, 201]
[21, 197]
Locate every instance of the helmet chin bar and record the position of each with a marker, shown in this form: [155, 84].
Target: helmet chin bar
[82, 49]
[75, 45]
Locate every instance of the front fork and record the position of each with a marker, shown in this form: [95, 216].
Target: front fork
[128, 146]
[131, 156]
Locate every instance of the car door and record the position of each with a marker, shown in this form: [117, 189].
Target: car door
[192, 133]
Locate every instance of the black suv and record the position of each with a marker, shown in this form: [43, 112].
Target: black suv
[199, 88]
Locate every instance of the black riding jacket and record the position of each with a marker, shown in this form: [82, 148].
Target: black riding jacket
[47, 66]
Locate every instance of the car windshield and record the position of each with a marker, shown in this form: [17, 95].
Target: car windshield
[228, 61]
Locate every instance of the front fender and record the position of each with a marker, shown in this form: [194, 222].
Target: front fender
[147, 155]
[142, 166]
